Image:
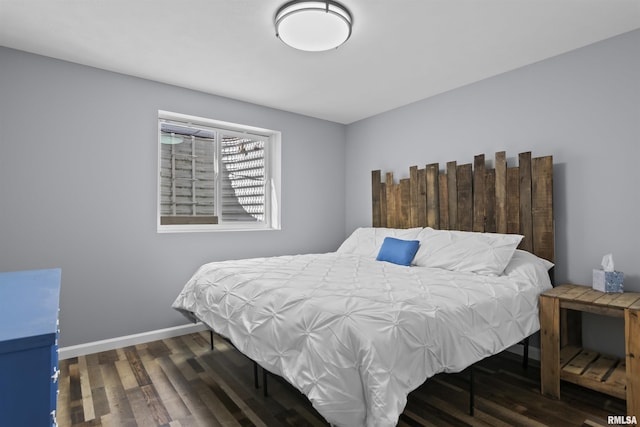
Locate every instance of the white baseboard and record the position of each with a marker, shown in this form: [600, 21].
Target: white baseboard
[534, 352]
[119, 342]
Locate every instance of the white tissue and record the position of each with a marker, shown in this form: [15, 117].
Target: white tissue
[607, 262]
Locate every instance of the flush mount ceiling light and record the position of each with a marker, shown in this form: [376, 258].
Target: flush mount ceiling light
[313, 26]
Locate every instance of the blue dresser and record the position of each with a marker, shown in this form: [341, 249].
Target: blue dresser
[29, 372]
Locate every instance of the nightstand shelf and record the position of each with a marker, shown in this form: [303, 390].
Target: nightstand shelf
[562, 355]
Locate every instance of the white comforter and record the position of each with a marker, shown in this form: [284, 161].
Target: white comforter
[356, 335]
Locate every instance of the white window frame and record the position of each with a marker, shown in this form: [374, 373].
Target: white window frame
[272, 214]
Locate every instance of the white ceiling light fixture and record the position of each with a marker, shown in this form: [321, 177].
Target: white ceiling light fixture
[313, 26]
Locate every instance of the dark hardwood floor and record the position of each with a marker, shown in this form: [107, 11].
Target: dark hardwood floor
[181, 382]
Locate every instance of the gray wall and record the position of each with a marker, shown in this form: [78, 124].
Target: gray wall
[78, 175]
[582, 107]
[78, 166]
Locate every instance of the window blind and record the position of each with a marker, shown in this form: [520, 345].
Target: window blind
[243, 179]
[210, 175]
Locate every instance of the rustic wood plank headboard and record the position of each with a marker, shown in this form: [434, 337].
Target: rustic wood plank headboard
[517, 199]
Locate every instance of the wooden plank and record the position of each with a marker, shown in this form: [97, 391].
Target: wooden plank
[602, 387]
[568, 353]
[589, 296]
[542, 207]
[452, 195]
[618, 378]
[76, 409]
[398, 217]
[383, 205]
[443, 194]
[391, 206]
[593, 308]
[422, 196]
[85, 387]
[579, 364]
[187, 389]
[632, 351]
[626, 299]
[139, 372]
[574, 292]
[501, 192]
[559, 290]
[121, 411]
[478, 193]
[597, 372]
[526, 217]
[607, 299]
[404, 200]
[432, 172]
[600, 368]
[549, 346]
[376, 208]
[464, 178]
[175, 407]
[513, 200]
[127, 378]
[158, 412]
[220, 404]
[414, 197]
[490, 200]
[98, 394]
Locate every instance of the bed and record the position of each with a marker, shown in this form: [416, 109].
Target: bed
[428, 288]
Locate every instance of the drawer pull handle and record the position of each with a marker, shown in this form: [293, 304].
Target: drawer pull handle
[56, 374]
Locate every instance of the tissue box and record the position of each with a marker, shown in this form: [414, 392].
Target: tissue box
[608, 281]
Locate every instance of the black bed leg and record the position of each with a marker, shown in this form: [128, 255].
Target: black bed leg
[211, 335]
[471, 392]
[525, 353]
[255, 375]
[264, 382]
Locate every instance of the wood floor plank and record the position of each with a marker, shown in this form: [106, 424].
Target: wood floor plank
[226, 412]
[98, 392]
[187, 391]
[170, 398]
[236, 401]
[139, 372]
[180, 382]
[141, 410]
[127, 377]
[120, 413]
[85, 387]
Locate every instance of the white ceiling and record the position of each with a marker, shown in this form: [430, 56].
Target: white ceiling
[400, 51]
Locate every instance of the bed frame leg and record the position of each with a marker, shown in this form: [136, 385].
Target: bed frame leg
[255, 375]
[264, 383]
[471, 392]
[211, 335]
[525, 353]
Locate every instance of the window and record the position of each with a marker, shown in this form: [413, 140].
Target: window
[216, 175]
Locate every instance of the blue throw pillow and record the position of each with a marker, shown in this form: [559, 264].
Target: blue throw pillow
[398, 251]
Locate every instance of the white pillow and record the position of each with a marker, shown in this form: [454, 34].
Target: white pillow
[480, 253]
[530, 266]
[367, 241]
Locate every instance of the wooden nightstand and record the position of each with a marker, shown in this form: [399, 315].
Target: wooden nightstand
[562, 356]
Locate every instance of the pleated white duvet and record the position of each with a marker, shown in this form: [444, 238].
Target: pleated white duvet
[356, 335]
